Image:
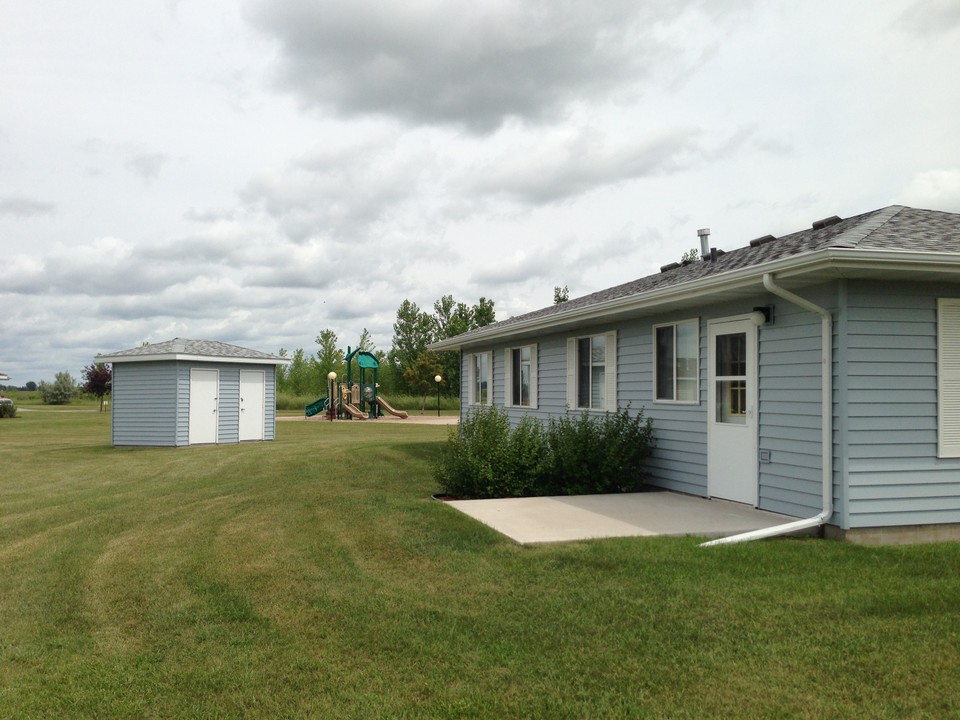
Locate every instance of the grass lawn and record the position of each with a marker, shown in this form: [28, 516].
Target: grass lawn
[313, 576]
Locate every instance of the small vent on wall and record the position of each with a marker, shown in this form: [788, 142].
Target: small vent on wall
[826, 222]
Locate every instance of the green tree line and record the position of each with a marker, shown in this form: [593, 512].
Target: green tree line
[408, 368]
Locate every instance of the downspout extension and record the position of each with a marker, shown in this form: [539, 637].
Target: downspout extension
[826, 384]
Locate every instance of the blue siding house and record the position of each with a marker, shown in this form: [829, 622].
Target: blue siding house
[815, 374]
[192, 392]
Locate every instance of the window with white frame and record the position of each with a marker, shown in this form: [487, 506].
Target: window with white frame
[676, 366]
[948, 377]
[481, 379]
[520, 365]
[592, 372]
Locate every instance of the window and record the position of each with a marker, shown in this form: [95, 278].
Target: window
[481, 379]
[948, 377]
[592, 372]
[731, 378]
[677, 363]
[521, 376]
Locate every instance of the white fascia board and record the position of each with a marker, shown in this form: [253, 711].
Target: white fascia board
[835, 261]
[191, 358]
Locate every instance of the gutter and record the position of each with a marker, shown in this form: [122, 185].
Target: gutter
[826, 384]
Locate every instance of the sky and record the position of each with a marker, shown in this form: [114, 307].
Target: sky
[256, 172]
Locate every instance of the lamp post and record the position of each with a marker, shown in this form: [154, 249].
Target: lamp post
[331, 378]
[438, 380]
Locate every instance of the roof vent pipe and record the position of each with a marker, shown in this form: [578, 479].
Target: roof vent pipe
[704, 234]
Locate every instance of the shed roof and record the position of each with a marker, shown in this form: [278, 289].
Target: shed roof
[893, 242]
[196, 350]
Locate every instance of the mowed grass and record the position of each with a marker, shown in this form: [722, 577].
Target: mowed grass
[314, 576]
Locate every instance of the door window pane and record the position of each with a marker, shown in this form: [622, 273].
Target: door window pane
[732, 355]
[731, 378]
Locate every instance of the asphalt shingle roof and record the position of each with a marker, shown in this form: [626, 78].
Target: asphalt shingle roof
[200, 348]
[892, 228]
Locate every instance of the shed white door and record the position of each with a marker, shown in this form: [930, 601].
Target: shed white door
[251, 405]
[204, 393]
[732, 468]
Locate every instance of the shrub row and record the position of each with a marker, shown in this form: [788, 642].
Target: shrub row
[568, 456]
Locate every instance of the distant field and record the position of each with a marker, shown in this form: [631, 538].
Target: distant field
[314, 576]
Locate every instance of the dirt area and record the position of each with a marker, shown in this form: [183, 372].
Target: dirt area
[412, 419]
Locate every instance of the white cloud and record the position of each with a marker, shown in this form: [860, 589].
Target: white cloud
[462, 62]
[156, 183]
[933, 190]
[23, 207]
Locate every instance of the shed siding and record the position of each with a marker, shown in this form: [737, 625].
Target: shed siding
[228, 404]
[183, 403]
[894, 474]
[144, 404]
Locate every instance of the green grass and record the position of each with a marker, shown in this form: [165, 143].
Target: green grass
[313, 576]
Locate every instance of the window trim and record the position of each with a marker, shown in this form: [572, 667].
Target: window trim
[948, 377]
[472, 389]
[653, 333]
[610, 371]
[508, 376]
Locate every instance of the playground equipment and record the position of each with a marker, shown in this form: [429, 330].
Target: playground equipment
[348, 398]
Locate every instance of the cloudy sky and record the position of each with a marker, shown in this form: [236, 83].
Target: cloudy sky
[254, 172]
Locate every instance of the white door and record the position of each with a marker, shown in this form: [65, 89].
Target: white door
[732, 468]
[204, 393]
[251, 405]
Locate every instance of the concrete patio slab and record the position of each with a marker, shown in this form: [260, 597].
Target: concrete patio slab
[584, 517]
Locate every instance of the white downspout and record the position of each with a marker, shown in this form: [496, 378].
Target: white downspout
[826, 383]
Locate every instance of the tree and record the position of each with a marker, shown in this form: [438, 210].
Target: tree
[691, 255]
[560, 294]
[415, 329]
[450, 318]
[365, 343]
[419, 377]
[330, 356]
[282, 373]
[412, 331]
[483, 313]
[31, 386]
[96, 380]
[60, 392]
[298, 381]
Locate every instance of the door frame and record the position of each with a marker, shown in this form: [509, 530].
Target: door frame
[195, 412]
[747, 448]
[263, 405]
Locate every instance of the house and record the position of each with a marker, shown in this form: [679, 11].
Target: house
[815, 374]
[192, 392]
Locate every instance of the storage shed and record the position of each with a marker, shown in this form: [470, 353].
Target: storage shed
[192, 392]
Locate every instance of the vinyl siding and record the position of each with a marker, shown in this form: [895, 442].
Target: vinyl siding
[790, 408]
[144, 404]
[228, 404]
[890, 453]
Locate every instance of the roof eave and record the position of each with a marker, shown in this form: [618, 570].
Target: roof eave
[835, 262]
[191, 358]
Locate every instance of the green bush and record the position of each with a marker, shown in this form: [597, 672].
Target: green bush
[485, 458]
[8, 410]
[60, 392]
[598, 455]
